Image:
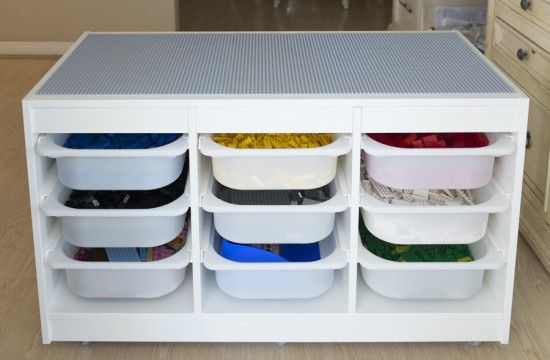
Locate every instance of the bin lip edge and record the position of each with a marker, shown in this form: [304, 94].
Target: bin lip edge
[337, 259]
[51, 206]
[57, 259]
[492, 260]
[340, 146]
[496, 203]
[504, 145]
[46, 146]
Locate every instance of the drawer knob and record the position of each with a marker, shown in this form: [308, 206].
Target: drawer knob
[521, 54]
[525, 4]
[406, 6]
[528, 141]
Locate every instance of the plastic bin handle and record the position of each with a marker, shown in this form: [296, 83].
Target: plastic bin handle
[211, 203]
[493, 259]
[57, 259]
[46, 146]
[341, 146]
[504, 145]
[51, 206]
[497, 202]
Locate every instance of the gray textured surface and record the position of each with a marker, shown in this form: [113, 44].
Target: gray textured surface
[274, 63]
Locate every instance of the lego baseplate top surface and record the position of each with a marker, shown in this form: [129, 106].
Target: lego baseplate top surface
[284, 63]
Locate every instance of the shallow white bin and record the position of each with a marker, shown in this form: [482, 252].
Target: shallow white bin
[117, 227]
[110, 280]
[262, 224]
[274, 169]
[453, 168]
[430, 280]
[461, 224]
[275, 280]
[114, 169]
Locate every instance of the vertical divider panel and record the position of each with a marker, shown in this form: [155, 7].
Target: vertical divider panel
[38, 229]
[516, 182]
[196, 214]
[353, 173]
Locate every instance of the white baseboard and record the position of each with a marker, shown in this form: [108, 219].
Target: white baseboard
[33, 48]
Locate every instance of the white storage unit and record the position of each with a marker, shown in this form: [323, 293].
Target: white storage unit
[135, 169]
[252, 169]
[117, 227]
[198, 84]
[264, 224]
[127, 280]
[421, 224]
[276, 280]
[442, 168]
[430, 280]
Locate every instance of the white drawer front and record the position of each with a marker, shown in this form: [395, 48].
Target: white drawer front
[272, 119]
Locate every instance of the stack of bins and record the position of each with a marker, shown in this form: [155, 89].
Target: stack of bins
[405, 224]
[133, 170]
[257, 170]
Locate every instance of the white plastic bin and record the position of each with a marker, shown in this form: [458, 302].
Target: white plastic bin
[117, 227]
[442, 168]
[297, 280]
[111, 280]
[114, 169]
[274, 169]
[462, 224]
[262, 224]
[452, 280]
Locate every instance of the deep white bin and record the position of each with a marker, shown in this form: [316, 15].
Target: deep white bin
[117, 227]
[443, 168]
[114, 169]
[274, 169]
[275, 280]
[462, 224]
[262, 224]
[453, 280]
[111, 280]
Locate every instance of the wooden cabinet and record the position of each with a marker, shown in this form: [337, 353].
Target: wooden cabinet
[536, 154]
[420, 14]
[518, 41]
[407, 14]
[534, 11]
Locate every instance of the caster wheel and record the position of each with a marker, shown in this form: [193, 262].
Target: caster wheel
[86, 343]
[474, 343]
[280, 343]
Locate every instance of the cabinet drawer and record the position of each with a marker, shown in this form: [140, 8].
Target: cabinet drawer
[525, 53]
[536, 11]
[536, 156]
[408, 14]
[524, 23]
[525, 79]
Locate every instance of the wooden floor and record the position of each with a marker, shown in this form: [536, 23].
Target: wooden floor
[291, 15]
[19, 319]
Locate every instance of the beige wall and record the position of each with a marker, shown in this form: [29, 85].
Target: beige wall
[65, 20]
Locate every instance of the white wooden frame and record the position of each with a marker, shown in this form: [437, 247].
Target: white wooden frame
[350, 311]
